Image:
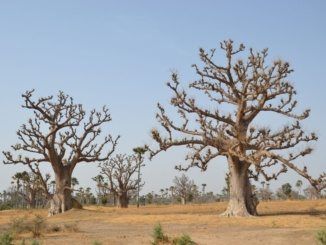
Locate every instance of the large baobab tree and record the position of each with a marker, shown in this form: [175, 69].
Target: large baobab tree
[121, 174]
[60, 133]
[223, 121]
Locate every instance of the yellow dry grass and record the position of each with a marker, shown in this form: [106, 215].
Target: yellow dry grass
[278, 219]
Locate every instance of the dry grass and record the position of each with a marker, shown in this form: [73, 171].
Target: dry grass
[281, 222]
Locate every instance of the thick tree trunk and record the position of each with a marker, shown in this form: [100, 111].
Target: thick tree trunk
[242, 201]
[62, 199]
[123, 200]
[32, 200]
[115, 202]
[183, 200]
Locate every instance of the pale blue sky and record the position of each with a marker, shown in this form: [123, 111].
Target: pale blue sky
[120, 53]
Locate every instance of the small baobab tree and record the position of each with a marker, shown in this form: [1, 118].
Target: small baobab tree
[183, 188]
[121, 175]
[222, 121]
[60, 133]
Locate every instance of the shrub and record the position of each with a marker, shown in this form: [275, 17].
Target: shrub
[321, 237]
[18, 225]
[5, 206]
[35, 242]
[6, 238]
[97, 243]
[71, 227]
[54, 228]
[183, 240]
[37, 226]
[158, 235]
[104, 200]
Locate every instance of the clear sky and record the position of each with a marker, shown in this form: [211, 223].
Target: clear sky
[120, 53]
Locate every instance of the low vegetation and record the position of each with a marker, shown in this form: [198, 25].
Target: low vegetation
[321, 237]
[159, 237]
[6, 238]
[183, 240]
[281, 222]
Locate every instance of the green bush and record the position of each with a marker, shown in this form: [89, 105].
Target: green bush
[321, 237]
[97, 243]
[35, 242]
[6, 238]
[5, 206]
[158, 235]
[183, 240]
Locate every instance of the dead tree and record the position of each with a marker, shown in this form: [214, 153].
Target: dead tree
[121, 174]
[60, 133]
[222, 121]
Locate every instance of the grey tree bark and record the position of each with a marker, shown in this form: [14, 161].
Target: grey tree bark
[242, 201]
[123, 200]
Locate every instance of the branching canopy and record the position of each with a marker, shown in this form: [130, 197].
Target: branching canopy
[60, 133]
[245, 89]
[120, 172]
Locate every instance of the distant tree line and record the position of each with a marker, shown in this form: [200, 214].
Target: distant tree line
[26, 190]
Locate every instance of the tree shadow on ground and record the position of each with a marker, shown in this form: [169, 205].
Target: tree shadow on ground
[311, 212]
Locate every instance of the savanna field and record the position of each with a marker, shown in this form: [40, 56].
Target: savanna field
[280, 222]
[106, 105]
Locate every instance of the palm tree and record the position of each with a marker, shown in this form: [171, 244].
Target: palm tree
[74, 182]
[204, 186]
[172, 193]
[139, 151]
[299, 185]
[52, 184]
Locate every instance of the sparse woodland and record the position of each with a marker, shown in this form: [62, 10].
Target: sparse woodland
[217, 118]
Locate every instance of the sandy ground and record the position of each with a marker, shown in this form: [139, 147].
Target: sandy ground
[280, 222]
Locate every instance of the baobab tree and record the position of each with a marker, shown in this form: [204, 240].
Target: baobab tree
[60, 133]
[222, 121]
[121, 174]
[183, 187]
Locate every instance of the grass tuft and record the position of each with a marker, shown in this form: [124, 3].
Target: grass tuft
[158, 235]
[38, 225]
[97, 243]
[6, 238]
[321, 237]
[183, 240]
[71, 227]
